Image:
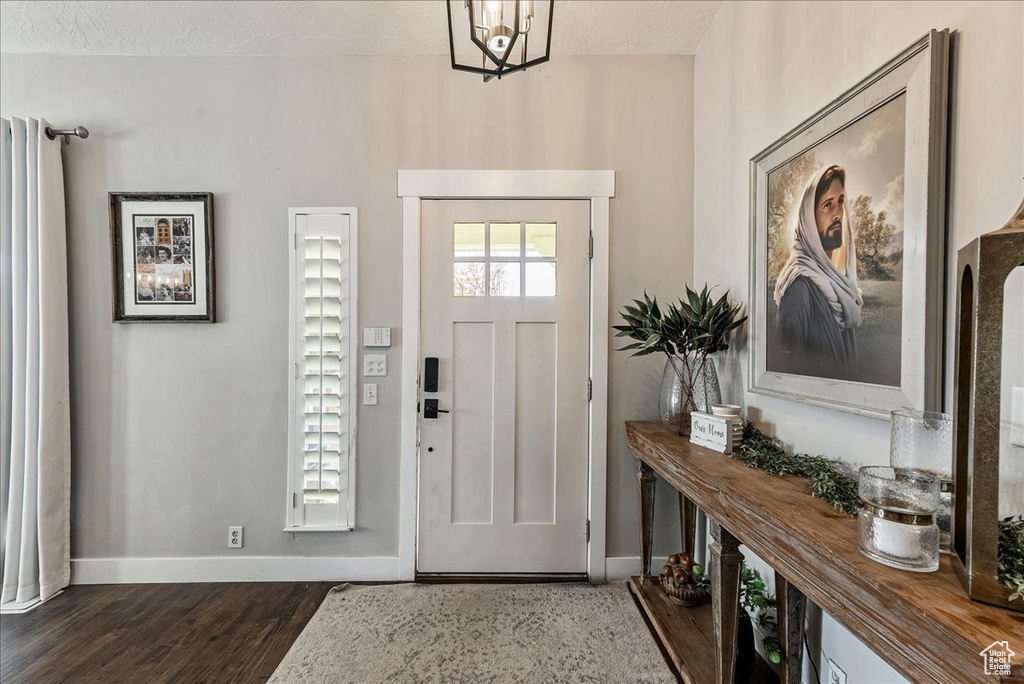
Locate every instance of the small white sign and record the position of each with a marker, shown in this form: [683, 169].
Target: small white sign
[715, 432]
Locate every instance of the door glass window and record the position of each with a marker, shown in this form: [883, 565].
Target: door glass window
[540, 239]
[504, 259]
[470, 279]
[505, 279]
[506, 239]
[540, 279]
[469, 240]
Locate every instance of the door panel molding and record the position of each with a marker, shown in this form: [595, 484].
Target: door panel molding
[413, 187]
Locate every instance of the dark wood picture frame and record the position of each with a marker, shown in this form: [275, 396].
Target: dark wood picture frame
[152, 314]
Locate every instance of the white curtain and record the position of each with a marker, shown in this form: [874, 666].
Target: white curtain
[36, 416]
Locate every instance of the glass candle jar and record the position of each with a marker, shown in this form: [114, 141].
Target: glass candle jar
[897, 524]
[923, 440]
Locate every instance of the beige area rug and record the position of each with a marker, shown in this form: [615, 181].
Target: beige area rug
[479, 633]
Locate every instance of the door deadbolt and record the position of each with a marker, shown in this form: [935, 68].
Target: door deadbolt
[430, 409]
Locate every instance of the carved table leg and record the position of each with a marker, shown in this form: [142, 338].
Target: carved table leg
[687, 523]
[791, 604]
[645, 494]
[724, 568]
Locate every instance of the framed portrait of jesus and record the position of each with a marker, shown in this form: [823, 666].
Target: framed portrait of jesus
[847, 244]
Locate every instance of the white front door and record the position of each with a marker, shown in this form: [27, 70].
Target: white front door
[505, 308]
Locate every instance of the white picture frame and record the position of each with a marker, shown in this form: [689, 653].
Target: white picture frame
[921, 73]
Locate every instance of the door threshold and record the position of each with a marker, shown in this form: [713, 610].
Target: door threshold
[500, 578]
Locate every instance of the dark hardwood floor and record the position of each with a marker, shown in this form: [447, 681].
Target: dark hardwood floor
[149, 633]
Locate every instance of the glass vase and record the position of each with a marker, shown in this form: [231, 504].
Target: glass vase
[685, 387]
[897, 524]
[923, 440]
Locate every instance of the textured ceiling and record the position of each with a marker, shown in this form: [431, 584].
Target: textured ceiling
[342, 27]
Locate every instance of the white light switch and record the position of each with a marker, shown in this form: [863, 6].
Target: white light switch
[376, 337]
[375, 364]
[370, 394]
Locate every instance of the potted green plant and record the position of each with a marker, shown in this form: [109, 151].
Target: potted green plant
[687, 333]
[758, 605]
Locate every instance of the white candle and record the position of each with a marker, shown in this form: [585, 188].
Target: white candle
[896, 539]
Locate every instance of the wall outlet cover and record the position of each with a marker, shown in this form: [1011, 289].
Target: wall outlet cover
[835, 673]
[235, 536]
[370, 394]
[375, 365]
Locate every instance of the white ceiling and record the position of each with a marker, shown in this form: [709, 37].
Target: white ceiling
[342, 27]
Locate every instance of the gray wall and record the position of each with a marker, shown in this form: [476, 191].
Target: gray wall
[765, 67]
[180, 430]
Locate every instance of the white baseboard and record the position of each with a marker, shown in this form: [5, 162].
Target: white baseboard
[621, 568]
[233, 569]
[266, 569]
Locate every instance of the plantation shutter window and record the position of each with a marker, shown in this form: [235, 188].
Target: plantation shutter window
[323, 350]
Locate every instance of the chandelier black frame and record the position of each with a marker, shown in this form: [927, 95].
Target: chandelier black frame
[501, 66]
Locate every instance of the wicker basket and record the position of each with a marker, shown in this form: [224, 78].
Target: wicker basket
[683, 595]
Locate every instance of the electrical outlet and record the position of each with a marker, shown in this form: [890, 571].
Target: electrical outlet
[375, 365]
[835, 674]
[370, 394]
[235, 537]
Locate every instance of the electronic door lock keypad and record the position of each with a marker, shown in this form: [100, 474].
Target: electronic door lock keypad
[430, 365]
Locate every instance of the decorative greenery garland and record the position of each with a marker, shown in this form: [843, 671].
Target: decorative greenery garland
[831, 483]
[828, 479]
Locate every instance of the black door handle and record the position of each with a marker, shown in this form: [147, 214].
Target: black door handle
[430, 409]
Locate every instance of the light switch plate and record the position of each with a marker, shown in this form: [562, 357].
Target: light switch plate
[370, 394]
[376, 337]
[375, 365]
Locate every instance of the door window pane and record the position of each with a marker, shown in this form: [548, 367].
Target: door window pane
[505, 279]
[469, 239]
[469, 279]
[540, 279]
[540, 240]
[505, 240]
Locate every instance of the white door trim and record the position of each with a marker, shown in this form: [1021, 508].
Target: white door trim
[414, 186]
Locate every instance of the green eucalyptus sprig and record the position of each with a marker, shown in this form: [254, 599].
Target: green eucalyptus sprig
[832, 484]
[828, 479]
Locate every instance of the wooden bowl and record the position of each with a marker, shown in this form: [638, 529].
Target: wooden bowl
[683, 594]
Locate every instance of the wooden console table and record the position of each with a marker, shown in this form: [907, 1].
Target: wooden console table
[923, 625]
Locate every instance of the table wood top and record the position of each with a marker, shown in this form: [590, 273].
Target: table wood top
[923, 624]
